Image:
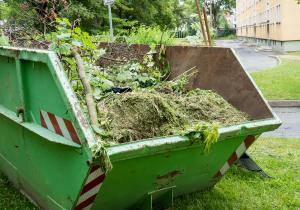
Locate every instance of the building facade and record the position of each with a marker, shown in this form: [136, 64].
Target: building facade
[274, 23]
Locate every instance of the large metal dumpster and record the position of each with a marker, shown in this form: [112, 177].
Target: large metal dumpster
[45, 138]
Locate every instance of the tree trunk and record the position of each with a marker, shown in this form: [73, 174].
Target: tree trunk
[215, 20]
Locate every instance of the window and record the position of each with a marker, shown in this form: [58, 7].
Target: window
[260, 15]
[273, 15]
[278, 14]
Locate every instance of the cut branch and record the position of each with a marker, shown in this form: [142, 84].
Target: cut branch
[87, 88]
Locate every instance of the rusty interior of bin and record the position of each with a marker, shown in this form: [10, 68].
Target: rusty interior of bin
[218, 70]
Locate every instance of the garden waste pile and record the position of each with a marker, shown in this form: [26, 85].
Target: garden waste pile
[148, 113]
[134, 101]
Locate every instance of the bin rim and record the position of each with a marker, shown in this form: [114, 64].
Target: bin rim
[180, 142]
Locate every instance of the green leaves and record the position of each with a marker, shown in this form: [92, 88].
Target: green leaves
[4, 40]
[52, 46]
[152, 46]
[64, 36]
[77, 30]
[77, 43]
[63, 48]
[67, 22]
[105, 83]
[98, 53]
[124, 76]
[98, 130]
[205, 132]
[143, 77]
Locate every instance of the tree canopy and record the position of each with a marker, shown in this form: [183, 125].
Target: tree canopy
[4, 10]
[94, 16]
[217, 7]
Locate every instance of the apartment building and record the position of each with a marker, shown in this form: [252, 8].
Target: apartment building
[274, 23]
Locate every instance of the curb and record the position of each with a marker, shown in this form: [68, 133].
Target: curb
[274, 56]
[284, 103]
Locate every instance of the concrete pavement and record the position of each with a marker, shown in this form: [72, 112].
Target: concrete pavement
[251, 60]
[290, 117]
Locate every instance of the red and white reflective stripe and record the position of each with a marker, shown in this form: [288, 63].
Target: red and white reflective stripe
[236, 155]
[90, 189]
[59, 126]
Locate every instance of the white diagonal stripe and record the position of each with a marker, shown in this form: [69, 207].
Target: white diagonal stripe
[47, 121]
[89, 194]
[88, 207]
[63, 127]
[94, 175]
[224, 168]
[240, 150]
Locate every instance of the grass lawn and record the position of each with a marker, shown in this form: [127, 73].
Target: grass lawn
[11, 198]
[281, 82]
[296, 53]
[238, 189]
[231, 36]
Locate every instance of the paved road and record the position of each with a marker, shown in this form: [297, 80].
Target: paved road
[251, 60]
[290, 117]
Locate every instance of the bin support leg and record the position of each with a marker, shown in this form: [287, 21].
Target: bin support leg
[164, 198]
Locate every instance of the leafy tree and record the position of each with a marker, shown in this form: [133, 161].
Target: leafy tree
[38, 13]
[4, 10]
[217, 7]
[191, 30]
[221, 19]
[94, 15]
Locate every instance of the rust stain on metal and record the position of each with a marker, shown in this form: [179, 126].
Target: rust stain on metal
[169, 175]
[167, 179]
[57, 63]
[79, 116]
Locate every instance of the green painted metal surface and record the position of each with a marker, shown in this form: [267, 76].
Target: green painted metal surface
[59, 174]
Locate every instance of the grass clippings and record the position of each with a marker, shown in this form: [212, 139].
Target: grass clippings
[149, 113]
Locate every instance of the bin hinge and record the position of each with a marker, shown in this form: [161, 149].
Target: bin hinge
[20, 111]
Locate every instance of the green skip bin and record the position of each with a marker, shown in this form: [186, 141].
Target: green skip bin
[45, 137]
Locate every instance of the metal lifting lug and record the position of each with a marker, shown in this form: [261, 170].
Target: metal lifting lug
[20, 111]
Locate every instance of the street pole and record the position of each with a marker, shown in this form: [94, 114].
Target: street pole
[110, 24]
